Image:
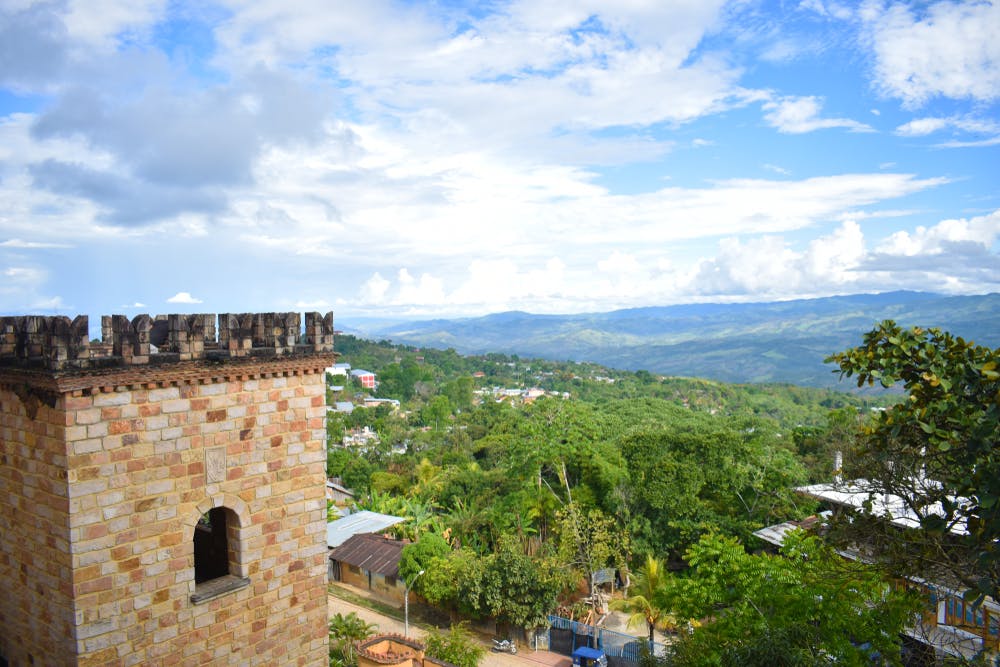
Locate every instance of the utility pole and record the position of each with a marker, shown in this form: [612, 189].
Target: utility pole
[406, 604]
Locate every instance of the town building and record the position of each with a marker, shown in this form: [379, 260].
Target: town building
[370, 562]
[162, 491]
[365, 378]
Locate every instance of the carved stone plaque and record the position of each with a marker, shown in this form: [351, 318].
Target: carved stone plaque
[215, 465]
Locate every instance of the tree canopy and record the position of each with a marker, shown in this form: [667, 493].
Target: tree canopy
[804, 607]
[935, 451]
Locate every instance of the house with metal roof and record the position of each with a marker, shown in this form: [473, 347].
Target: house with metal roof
[337, 532]
[370, 562]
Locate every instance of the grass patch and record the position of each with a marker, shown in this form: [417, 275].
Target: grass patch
[383, 608]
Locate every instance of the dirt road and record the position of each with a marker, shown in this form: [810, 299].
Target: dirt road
[525, 657]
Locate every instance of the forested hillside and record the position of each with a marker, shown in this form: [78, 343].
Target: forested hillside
[521, 478]
[744, 342]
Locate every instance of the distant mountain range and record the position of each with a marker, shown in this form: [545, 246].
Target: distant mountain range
[783, 341]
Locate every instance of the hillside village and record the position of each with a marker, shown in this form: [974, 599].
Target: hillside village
[574, 511]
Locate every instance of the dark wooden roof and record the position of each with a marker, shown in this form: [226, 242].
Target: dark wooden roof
[374, 553]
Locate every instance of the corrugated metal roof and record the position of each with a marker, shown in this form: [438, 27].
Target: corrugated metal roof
[776, 534]
[857, 493]
[374, 553]
[364, 521]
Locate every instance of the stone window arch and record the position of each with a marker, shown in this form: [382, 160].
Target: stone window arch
[218, 547]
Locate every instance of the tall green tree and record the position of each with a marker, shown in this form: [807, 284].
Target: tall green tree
[807, 606]
[591, 541]
[935, 451]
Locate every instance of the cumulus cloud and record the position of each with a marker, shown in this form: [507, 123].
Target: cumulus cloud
[172, 152]
[374, 290]
[797, 115]
[123, 200]
[965, 126]
[183, 297]
[980, 231]
[948, 49]
[32, 46]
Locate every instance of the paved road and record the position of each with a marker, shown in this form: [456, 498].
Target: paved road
[525, 657]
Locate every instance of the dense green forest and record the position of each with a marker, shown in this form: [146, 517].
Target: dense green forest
[658, 462]
[521, 478]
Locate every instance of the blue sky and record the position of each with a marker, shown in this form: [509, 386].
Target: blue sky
[429, 159]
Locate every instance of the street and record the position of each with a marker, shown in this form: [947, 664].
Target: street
[525, 656]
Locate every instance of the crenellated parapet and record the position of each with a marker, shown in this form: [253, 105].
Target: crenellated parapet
[58, 343]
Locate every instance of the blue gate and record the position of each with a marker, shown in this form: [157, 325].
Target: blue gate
[566, 635]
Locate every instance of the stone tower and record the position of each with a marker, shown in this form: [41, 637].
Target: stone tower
[162, 492]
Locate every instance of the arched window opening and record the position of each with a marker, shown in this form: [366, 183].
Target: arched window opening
[217, 566]
[211, 546]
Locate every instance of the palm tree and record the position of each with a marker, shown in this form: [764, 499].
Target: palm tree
[641, 601]
[345, 631]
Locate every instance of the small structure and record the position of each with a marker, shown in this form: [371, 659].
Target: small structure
[375, 402]
[370, 562]
[390, 650]
[394, 650]
[338, 532]
[338, 494]
[339, 369]
[366, 378]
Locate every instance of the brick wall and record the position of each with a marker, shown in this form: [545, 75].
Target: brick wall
[36, 608]
[148, 452]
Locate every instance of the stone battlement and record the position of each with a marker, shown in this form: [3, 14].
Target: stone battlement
[57, 343]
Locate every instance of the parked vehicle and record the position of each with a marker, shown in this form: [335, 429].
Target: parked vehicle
[505, 646]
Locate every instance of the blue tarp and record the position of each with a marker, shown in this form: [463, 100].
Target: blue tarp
[588, 653]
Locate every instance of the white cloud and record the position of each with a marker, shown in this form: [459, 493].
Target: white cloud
[797, 115]
[776, 169]
[183, 297]
[319, 305]
[23, 274]
[98, 23]
[950, 49]
[920, 127]
[982, 231]
[18, 243]
[374, 289]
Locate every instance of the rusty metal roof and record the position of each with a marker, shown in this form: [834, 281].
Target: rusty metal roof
[371, 552]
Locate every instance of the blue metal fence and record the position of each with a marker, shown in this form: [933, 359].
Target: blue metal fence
[566, 635]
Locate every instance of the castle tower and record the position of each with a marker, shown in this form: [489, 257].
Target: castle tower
[162, 492]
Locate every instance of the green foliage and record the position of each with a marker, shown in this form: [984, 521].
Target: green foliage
[645, 598]
[435, 414]
[353, 469]
[820, 607]
[694, 473]
[457, 646]
[517, 590]
[422, 556]
[591, 540]
[947, 431]
[344, 631]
